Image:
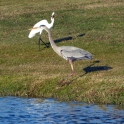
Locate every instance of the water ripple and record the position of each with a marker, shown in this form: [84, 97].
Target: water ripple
[15, 110]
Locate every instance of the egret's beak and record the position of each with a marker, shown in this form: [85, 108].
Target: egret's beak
[53, 16]
[33, 28]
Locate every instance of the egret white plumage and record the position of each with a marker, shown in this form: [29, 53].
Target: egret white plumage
[39, 30]
[69, 53]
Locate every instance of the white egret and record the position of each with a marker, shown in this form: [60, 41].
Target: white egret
[39, 30]
[69, 53]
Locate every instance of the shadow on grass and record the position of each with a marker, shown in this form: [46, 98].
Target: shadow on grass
[88, 69]
[92, 68]
[67, 38]
[64, 39]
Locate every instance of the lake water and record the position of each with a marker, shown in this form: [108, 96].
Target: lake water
[15, 110]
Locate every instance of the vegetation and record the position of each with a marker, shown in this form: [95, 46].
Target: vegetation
[96, 26]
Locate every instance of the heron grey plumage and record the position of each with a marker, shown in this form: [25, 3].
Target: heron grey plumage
[69, 53]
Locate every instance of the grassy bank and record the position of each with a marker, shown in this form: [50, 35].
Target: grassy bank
[96, 26]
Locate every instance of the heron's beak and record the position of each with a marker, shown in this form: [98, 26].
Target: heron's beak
[33, 28]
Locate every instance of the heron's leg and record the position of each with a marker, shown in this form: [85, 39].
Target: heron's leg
[71, 63]
[67, 81]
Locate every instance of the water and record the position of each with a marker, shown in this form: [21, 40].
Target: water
[15, 110]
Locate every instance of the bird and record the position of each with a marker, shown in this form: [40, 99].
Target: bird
[69, 53]
[42, 22]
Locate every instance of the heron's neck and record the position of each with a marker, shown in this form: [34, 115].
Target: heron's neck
[51, 39]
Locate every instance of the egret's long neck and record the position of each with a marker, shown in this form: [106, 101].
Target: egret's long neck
[52, 22]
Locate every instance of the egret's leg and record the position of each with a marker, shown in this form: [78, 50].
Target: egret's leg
[39, 42]
[71, 63]
[44, 43]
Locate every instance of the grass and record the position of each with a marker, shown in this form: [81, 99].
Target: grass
[96, 26]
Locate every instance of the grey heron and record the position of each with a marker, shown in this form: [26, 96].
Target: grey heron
[69, 53]
[42, 22]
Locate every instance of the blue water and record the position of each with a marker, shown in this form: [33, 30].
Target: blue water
[15, 110]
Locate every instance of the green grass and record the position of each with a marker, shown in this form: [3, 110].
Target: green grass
[25, 71]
